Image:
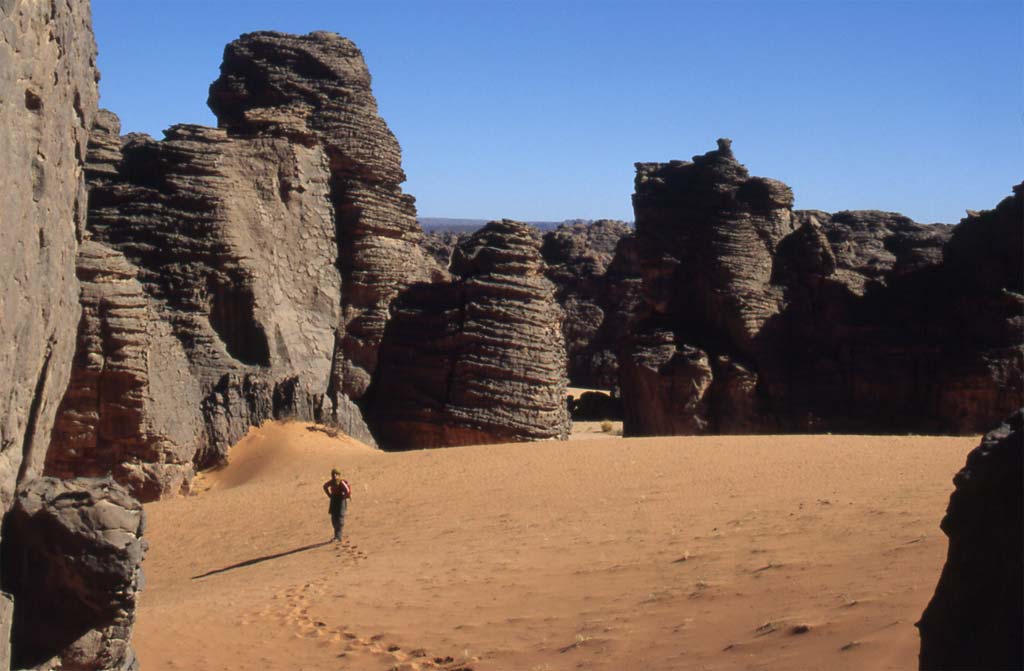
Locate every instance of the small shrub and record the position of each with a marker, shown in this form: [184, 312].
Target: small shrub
[606, 426]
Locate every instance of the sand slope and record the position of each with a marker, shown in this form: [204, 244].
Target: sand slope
[663, 553]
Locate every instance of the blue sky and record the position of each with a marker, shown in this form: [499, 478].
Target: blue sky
[538, 110]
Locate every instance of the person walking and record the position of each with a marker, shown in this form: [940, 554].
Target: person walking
[339, 492]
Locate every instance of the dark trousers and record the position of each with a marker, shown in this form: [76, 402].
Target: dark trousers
[338, 510]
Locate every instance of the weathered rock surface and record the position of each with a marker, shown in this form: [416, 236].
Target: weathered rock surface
[315, 90]
[975, 620]
[439, 246]
[211, 268]
[73, 562]
[577, 257]
[47, 100]
[479, 359]
[251, 264]
[758, 318]
[132, 407]
[620, 301]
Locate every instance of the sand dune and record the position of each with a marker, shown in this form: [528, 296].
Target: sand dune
[663, 553]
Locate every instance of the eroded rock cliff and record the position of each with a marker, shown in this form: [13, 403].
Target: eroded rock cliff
[758, 318]
[252, 263]
[212, 265]
[47, 101]
[975, 620]
[132, 407]
[479, 359]
[315, 90]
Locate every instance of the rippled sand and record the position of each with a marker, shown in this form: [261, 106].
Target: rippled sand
[743, 552]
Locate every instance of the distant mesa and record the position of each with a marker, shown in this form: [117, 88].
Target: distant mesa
[455, 225]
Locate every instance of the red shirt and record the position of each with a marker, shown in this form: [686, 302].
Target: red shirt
[340, 489]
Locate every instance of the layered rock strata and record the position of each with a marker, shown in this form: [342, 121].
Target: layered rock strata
[132, 408]
[315, 90]
[252, 263]
[758, 318]
[479, 359]
[975, 620]
[74, 567]
[211, 264]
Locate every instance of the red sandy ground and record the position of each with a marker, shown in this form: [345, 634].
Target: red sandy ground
[662, 553]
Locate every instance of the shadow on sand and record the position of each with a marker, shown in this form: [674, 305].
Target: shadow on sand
[250, 562]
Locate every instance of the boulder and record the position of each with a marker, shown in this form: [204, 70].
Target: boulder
[73, 564]
[478, 359]
[975, 620]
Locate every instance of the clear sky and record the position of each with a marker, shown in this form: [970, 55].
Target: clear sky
[538, 110]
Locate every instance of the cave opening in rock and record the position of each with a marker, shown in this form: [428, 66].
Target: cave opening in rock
[233, 317]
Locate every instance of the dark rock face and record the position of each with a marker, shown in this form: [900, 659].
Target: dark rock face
[595, 406]
[882, 245]
[577, 257]
[73, 564]
[620, 301]
[479, 359]
[756, 318]
[315, 90]
[47, 101]
[975, 620]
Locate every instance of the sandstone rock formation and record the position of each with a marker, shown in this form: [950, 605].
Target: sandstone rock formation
[315, 90]
[73, 561]
[212, 264]
[439, 246]
[975, 620]
[253, 264]
[131, 408]
[758, 318]
[479, 359]
[577, 257]
[47, 100]
[880, 245]
[620, 301]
